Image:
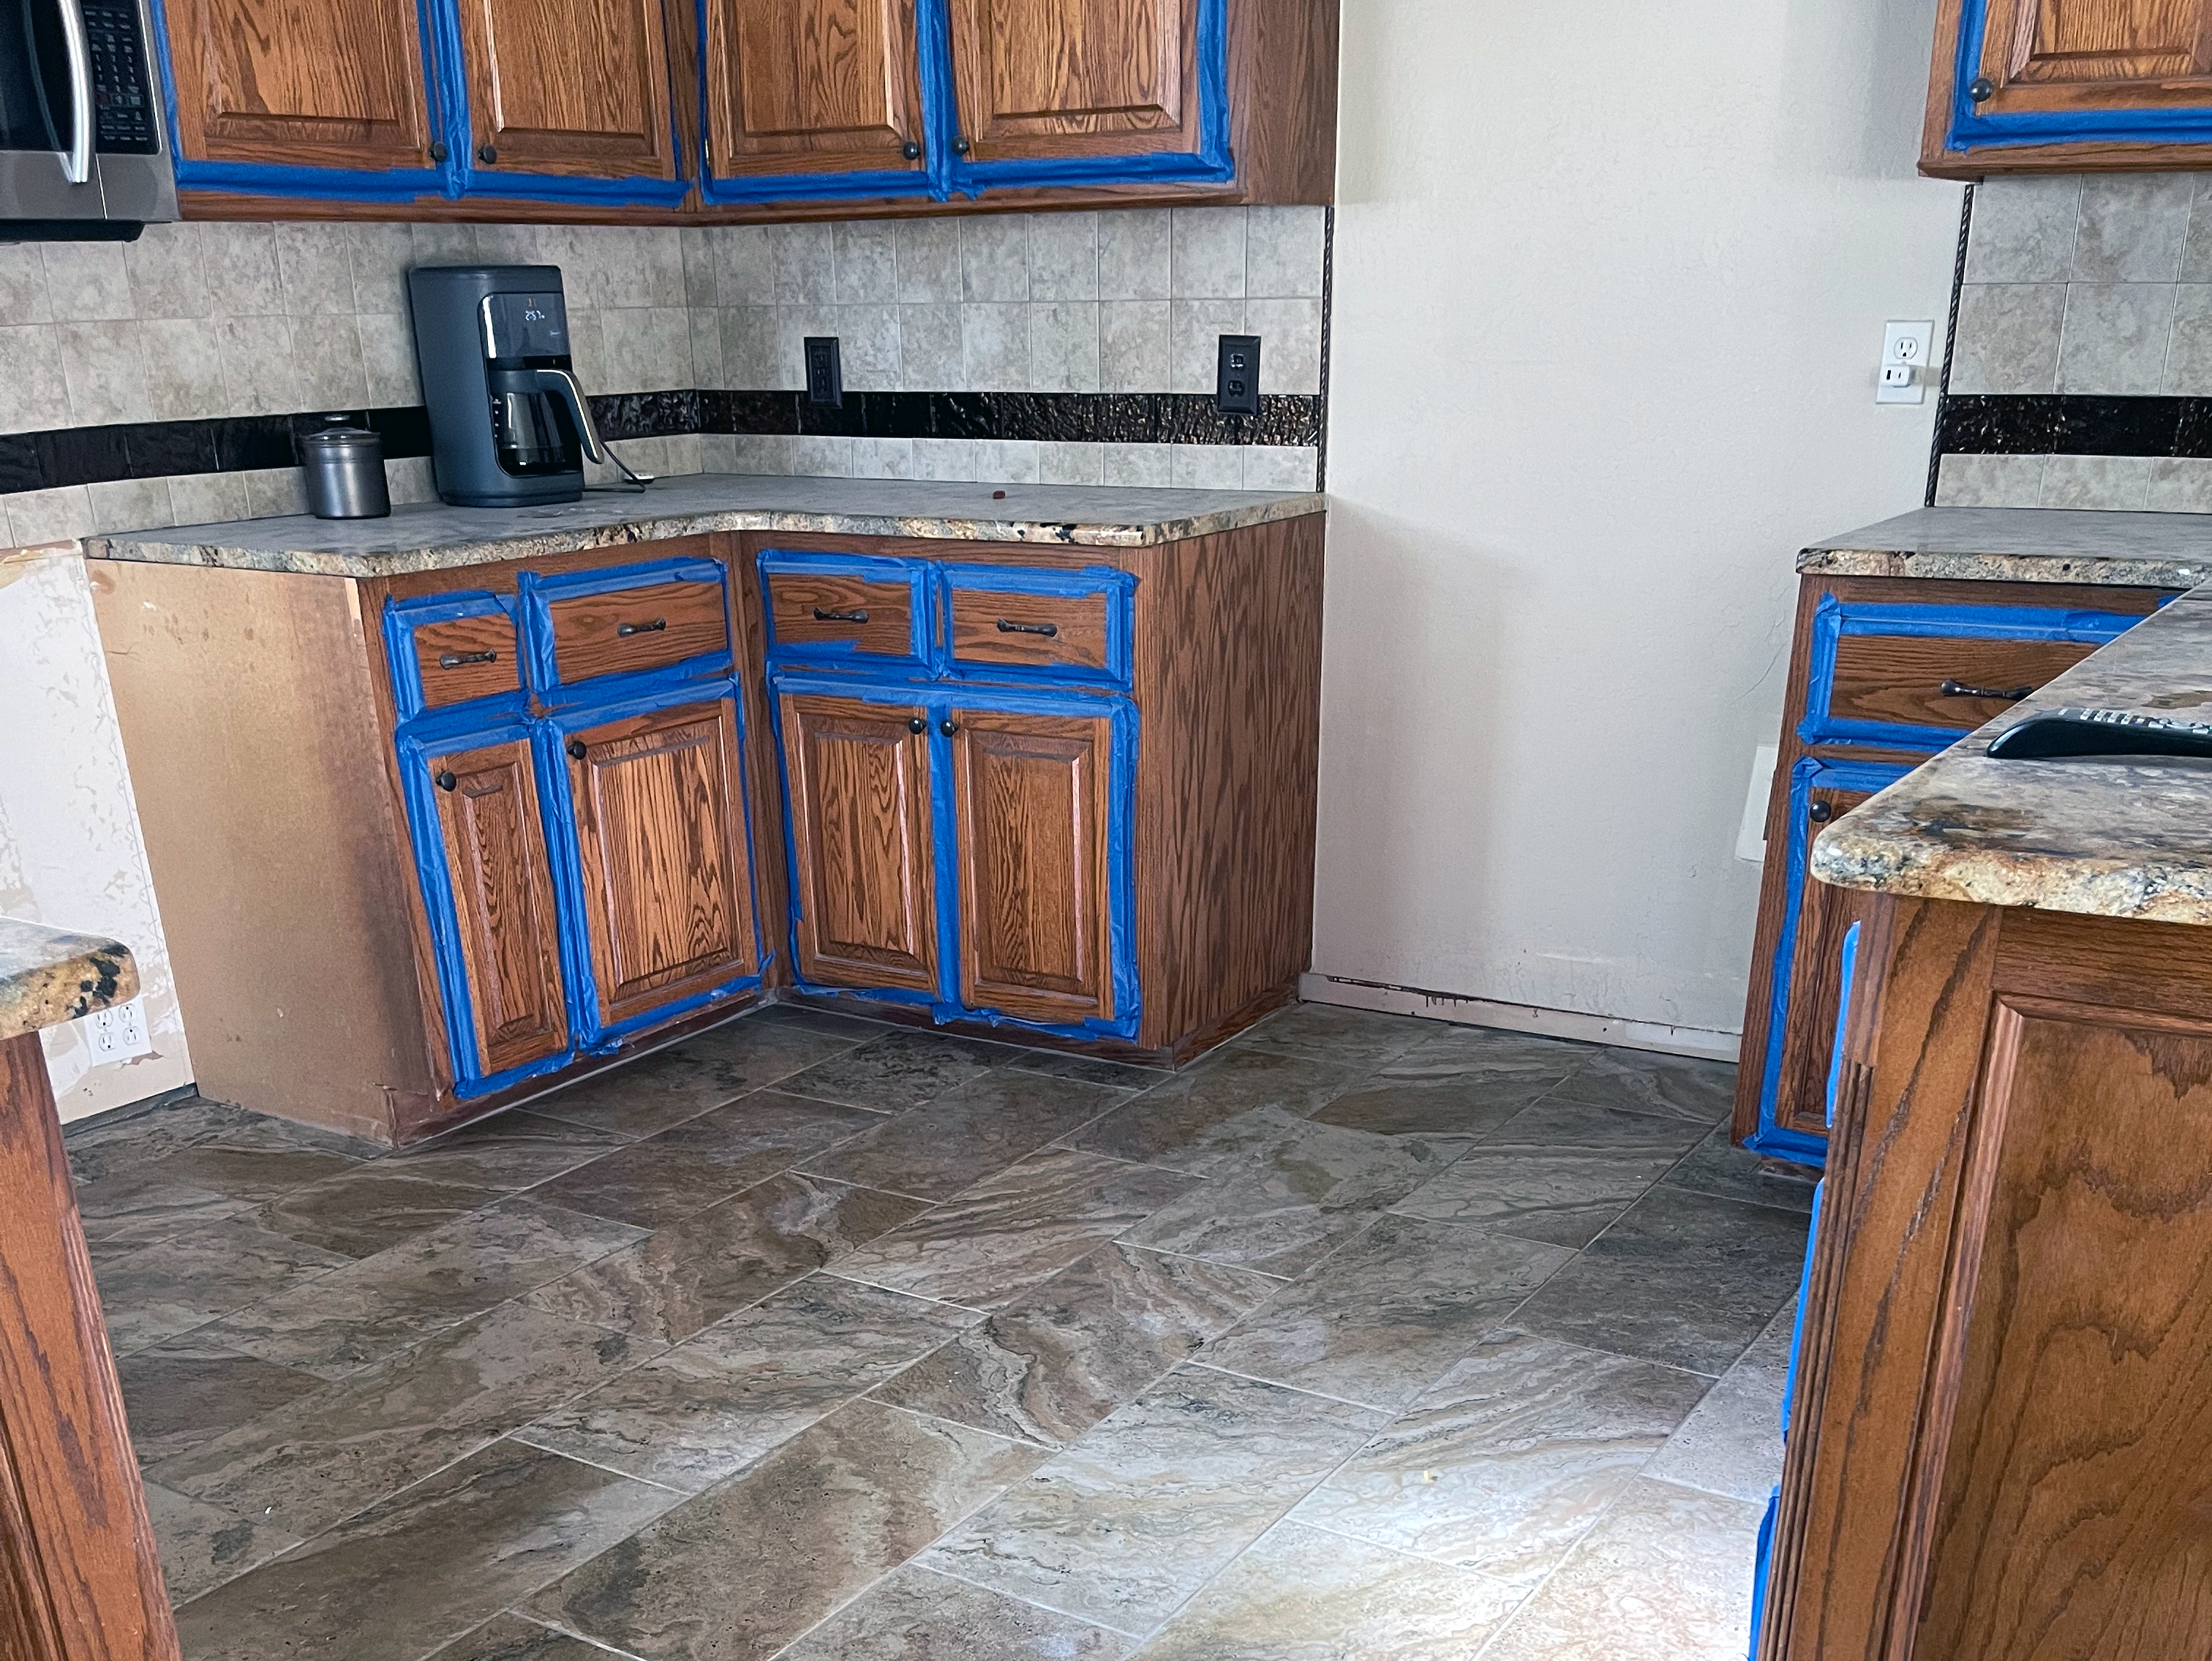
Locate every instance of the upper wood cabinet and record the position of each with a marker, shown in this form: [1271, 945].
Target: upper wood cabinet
[299, 83]
[576, 87]
[812, 86]
[2022, 85]
[1045, 78]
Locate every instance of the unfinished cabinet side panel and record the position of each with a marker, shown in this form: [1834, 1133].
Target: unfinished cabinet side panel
[249, 723]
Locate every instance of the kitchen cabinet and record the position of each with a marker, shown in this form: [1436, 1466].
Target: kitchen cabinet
[819, 87]
[569, 87]
[1884, 673]
[2069, 86]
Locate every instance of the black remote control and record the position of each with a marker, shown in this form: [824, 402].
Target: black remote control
[2101, 733]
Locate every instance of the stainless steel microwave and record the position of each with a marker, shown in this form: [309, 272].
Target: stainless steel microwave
[84, 151]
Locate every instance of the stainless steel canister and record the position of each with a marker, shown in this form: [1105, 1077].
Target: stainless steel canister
[344, 468]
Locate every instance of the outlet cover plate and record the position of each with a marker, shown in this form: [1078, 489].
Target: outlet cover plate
[1237, 376]
[825, 373]
[119, 1032]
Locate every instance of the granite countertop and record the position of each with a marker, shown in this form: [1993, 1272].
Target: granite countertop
[48, 976]
[431, 537]
[2110, 838]
[2025, 545]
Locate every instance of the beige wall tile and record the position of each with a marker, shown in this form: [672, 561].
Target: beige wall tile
[106, 372]
[33, 394]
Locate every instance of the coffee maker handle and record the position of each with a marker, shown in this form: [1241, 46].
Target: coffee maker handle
[562, 386]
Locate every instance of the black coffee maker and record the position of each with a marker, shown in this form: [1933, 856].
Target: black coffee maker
[509, 426]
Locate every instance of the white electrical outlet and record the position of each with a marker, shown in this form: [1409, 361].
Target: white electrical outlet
[119, 1032]
[1907, 361]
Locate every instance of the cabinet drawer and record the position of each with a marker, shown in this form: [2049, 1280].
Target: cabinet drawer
[1060, 624]
[450, 649]
[636, 629]
[827, 608]
[1924, 676]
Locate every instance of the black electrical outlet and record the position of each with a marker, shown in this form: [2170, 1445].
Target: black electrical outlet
[1236, 382]
[825, 380]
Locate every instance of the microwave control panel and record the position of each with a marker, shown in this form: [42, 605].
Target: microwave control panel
[126, 111]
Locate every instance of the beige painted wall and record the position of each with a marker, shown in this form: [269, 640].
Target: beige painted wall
[69, 850]
[1610, 284]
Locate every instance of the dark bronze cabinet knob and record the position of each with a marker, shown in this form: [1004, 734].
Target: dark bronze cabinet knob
[487, 154]
[1819, 812]
[438, 150]
[578, 748]
[917, 725]
[960, 146]
[445, 780]
[910, 150]
[949, 728]
[1981, 90]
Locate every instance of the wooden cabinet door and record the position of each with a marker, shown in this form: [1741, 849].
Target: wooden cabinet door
[314, 83]
[863, 840]
[494, 844]
[1032, 805]
[812, 86]
[660, 835]
[1043, 78]
[2058, 55]
[572, 86]
[1825, 915]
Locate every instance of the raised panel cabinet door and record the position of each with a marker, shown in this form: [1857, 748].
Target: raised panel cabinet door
[863, 840]
[660, 835]
[502, 886]
[1043, 78]
[812, 86]
[578, 88]
[2057, 54]
[315, 83]
[1032, 798]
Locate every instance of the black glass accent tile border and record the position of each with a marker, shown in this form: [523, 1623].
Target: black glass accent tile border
[235, 443]
[2072, 424]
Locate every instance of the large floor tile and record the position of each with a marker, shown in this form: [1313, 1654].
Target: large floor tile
[511, 1638]
[1683, 1278]
[1383, 1318]
[1732, 1443]
[203, 1272]
[1121, 1528]
[703, 1160]
[199, 1184]
[1302, 1595]
[709, 1408]
[692, 1273]
[1509, 1458]
[1011, 1231]
[1716, 1165]
[426, 1565]
[1329, 1032]
[1115, 1075]
[914, 1615]
[374, 1306]
[737, 1572]
[899, 1070]
[1645, 1082]
[685, 1080]
[1558, 1171]
[509, 1151]
[318, 1459]
[1068, 1352]
[1283, 1192]
[1665, 1565]
[112, 1143]
[971, 1131]
[364, 1210]
[187, 1392]
[1171, 1122]
[202, 1545]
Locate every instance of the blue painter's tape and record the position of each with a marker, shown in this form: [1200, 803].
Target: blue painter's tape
[1762, 1569]
[1850, 968]
[1810, 773]
[403, 617]
[1834, 619]
[1804, 1297]
[912, 574]
[945, 841]
[557, 807]
[1115, 587]
[537, 593]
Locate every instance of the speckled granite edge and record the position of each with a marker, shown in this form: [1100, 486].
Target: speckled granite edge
[150, 548]
[48, 976]
[1999, 567]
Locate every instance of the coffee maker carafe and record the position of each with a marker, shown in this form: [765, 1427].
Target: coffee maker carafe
[509, 424]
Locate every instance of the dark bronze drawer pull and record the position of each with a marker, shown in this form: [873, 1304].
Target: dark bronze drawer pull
[1961, 689]
[445, 780]
[1007, 626]
[821, 616]
[625, 630]
[455, 659]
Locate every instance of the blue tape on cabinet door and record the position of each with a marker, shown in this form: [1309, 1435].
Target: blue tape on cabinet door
[1969, 127]
[912, 574]
[1804, 1295]
[1762, 1569]
[1115, 586]
[1850, 961]
[536, 594]
[403, 617]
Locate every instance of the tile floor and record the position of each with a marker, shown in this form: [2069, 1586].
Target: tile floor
[1364, 1337]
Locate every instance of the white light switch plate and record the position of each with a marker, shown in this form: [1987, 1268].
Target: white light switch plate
[1751, 834]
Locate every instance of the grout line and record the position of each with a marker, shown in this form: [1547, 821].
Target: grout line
[516, 1435]
[1300, 1390]
[915, 1563]
[516, 1614]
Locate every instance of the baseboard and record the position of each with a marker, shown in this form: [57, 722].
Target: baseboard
[1698, 1041]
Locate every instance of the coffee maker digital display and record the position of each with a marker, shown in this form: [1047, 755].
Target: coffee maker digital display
[509, 424]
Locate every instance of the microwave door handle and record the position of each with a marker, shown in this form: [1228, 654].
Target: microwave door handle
[562, 386]
[76, 160]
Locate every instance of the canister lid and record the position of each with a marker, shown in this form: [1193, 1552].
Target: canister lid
[346, 438]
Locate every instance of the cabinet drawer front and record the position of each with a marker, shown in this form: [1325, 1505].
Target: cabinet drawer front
[450, 649]
[834, 608]
[1059, 624]
[634, 630]
[1925, 675]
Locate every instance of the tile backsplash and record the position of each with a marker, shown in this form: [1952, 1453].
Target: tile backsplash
[196, 321]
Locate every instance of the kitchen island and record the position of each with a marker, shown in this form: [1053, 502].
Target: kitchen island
[2000, 1437]
[451, 807]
